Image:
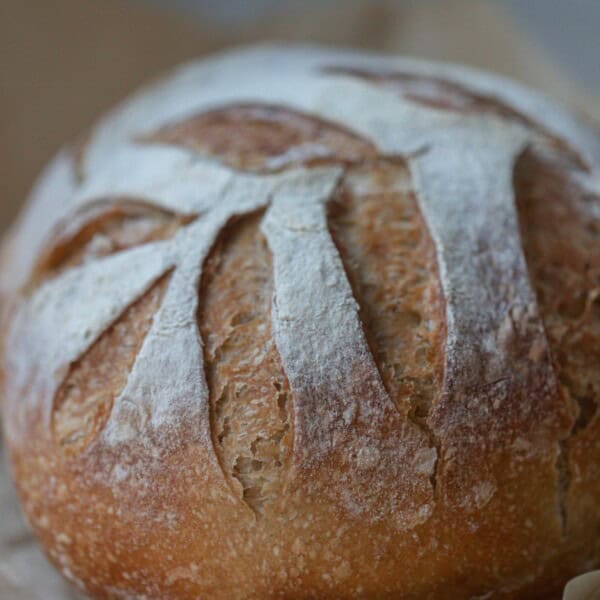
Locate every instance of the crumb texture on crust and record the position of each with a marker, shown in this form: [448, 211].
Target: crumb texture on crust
[316, 315]
[390, 260]
[252, 420]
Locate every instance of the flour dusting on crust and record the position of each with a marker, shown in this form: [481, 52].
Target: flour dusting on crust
[379, 462]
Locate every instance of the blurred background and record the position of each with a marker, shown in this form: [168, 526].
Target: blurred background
[63, 62]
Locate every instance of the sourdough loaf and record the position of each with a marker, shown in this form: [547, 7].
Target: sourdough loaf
[300, 323]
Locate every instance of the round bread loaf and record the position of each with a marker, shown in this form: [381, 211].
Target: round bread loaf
[298, 323]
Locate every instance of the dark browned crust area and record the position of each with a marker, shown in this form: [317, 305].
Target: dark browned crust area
[250, 397]
[448, 95]
[84, 401]
[561, 238]
[265, 138]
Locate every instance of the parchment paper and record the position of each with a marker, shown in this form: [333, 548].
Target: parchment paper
[586, 587]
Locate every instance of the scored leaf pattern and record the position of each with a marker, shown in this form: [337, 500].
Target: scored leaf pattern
[286, 153]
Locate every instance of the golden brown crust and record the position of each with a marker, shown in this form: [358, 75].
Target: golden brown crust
[265, 138]
[215, 505]
[101, 233]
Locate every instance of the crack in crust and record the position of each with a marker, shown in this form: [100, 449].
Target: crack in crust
[565, 270]
[251, 412]
[83, 402]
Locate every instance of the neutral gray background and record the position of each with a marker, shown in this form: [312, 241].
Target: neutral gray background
[567, 29]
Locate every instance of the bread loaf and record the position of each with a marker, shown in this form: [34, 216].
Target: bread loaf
[301, 323]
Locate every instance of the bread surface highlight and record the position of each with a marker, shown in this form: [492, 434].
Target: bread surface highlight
[305, 323]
